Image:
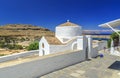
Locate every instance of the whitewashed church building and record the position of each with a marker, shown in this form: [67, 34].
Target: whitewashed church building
[68, 37]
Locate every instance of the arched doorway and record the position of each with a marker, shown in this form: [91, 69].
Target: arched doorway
[74, 46]
[43, 45]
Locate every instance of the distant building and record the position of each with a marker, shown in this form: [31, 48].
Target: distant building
[68, 37]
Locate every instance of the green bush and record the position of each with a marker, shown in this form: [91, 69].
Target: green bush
[115, 38]
[109, 43]
[114, 35]
[16, 47]
[22, 39]
[2, 54]
[2, 44]
[33, 46]
[9, 46]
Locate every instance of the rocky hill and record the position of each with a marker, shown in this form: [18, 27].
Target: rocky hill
[24, 30]
[15, 38]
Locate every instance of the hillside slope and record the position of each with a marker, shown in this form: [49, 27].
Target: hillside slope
[20, 35]
[24, 30]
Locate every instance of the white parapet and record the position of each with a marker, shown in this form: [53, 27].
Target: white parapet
[81, 43]
[89, 43]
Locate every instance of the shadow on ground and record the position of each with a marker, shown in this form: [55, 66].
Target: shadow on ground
[115, 65]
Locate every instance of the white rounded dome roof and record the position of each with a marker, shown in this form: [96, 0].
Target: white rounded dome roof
[68, 30]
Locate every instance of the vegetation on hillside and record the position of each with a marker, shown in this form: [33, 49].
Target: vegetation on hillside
[9, 43]
[21, 37]
[22, 32]
[33, 46]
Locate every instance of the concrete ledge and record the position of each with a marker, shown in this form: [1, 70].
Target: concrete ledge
[17, 55]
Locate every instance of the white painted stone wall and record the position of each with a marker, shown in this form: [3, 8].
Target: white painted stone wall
[102, 44]
[18, 55]
[94, 52]
[44, 50]
[61, 48]
[80, 45]
[89, 45]
[68, 32]
[43, 66]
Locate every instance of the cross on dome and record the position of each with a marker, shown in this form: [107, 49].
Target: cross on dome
[68, 20]
[68, 23]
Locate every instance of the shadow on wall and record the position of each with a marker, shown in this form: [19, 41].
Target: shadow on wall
[115, 65]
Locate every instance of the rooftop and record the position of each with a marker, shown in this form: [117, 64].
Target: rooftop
[68, 23]
[113, 23]
[53, 40]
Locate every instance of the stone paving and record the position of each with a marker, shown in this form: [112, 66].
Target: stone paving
[95, 68]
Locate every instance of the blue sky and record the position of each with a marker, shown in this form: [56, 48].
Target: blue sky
[49, 13]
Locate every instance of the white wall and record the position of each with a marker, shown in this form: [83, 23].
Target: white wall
[43, 66]
[61, 48]
[89, 45]
[81, 43]
[18, 55]
[94, 52]
[102, 44]
[68, 31]
[46, 47]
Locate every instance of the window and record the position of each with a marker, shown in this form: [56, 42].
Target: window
[43, 45]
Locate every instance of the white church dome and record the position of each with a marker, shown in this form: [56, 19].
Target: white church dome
[68, 30]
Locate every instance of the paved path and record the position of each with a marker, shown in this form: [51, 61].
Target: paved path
[95, 68]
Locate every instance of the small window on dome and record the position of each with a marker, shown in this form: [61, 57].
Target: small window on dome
[43, 45]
